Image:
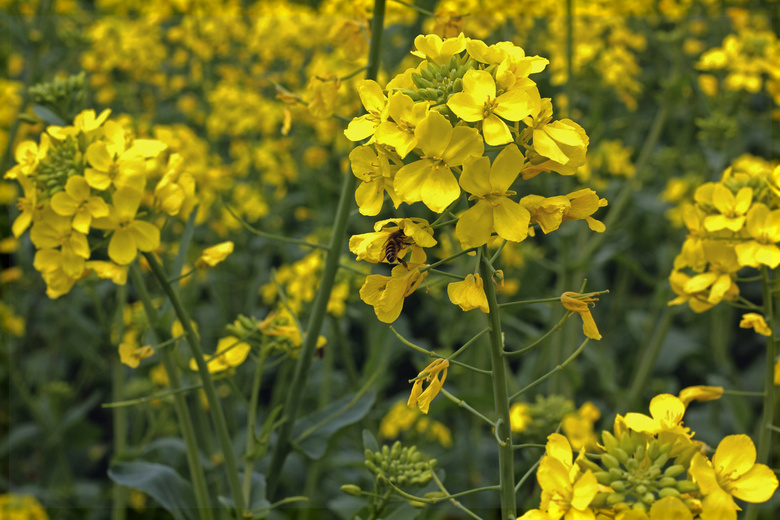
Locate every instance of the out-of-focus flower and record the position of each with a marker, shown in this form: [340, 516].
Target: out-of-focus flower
[213, 255]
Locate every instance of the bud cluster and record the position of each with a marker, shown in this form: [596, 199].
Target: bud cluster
[640, 470]
[401, 465]
[437, 83]
[63, 160]
[62, 96]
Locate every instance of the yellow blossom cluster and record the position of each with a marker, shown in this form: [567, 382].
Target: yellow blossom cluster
[95, 180]
[732, 224]
[651, 468]
[467, 119]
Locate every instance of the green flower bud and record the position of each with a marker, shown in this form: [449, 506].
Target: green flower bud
[618, 485]
[641, 489]
[687, 486]
[648, 498]
[614, 498]
[609, 441]
[674, 471]
[610, 461]
[427, 74]
[352, 489]
[668, 492]
[666, 482]
[605, 478]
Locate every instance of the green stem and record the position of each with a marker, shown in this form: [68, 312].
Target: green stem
[338, 238]
[250, 427]
[464, 404]
[765, 435]
[646, 360]
[215, 405]
[119, 417]
[558, 368]
[179, 401]
[454, 502]
[501, 401]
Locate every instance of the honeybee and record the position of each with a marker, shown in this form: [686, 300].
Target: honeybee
[396, 242]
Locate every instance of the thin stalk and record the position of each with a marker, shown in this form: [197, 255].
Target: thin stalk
[119, 417]
[764, 452]
[501, 401]
[250, 426]
[215, 405]
[454, 502]
[647, 358]
[558, 368]
[464, 404]
[765, 436]
[338, 238]
[179, 402]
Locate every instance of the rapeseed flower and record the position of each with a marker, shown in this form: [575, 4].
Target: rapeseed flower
[398, 130]
[130, 235]
[213, 255]
[763, 226]
[469, 294]
[578, 303]
[230, 353]
[386, 294]
[416, 235]
[78, 202]
[733, 473]
[375, 103]
[494, 210]
[435, 374]
[430, 179]
[479, 102]
[376, 169]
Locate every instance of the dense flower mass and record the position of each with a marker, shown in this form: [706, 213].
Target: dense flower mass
[468, 118]
[733, 225]
[652, 468]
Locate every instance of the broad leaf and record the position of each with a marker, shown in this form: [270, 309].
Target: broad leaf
[160, 482]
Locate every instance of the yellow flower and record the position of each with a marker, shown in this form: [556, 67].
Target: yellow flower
[667, 413]
[548, 212]
[494, 210]
[578, 426]
[519, 418]
[669, 508]
[558, 146]
[213, 255]
[433, 48]
[697, 300]
[584, 203]
[578, 303]
[130, 235]
[723, 266]
[21, 507]
[52, 231]
[231, 352]
[398, 131]
[77, 202]
[753, 320]
[430, 179]
[175, 192]
[469, 293]
[478, 102]
[435, 374]
[109, 271]
[130, 353]
[732, 208]
[323, 94]
[700, 393]
[28, 205]
[732, 473]
[386, 293]
[764, 227]
[416, 234]
[112, 165]
[566, 493]
[376, 172]
[85, 122]
[375, 103]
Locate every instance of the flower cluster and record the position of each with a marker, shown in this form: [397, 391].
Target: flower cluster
[732, 224]
[651, 468]
[90, 180]
[467, 120]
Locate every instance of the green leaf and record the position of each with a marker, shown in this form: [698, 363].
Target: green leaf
[369, 442]
[311, 433]
[49, 117]
[160, 482]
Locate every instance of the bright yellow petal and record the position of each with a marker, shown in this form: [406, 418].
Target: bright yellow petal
[757, 485]
[735, 453]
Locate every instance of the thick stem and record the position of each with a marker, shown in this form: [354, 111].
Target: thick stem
[119, 416]
[319, 307]
[500, 397]
[179, 402]
[215, 405]
[250, 427]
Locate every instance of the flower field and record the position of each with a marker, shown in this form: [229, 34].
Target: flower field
[382, 259]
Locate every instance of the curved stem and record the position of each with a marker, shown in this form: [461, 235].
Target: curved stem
[215, 405]
[501, 401]
[250, 426]
[338, 238]
[179, 401]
